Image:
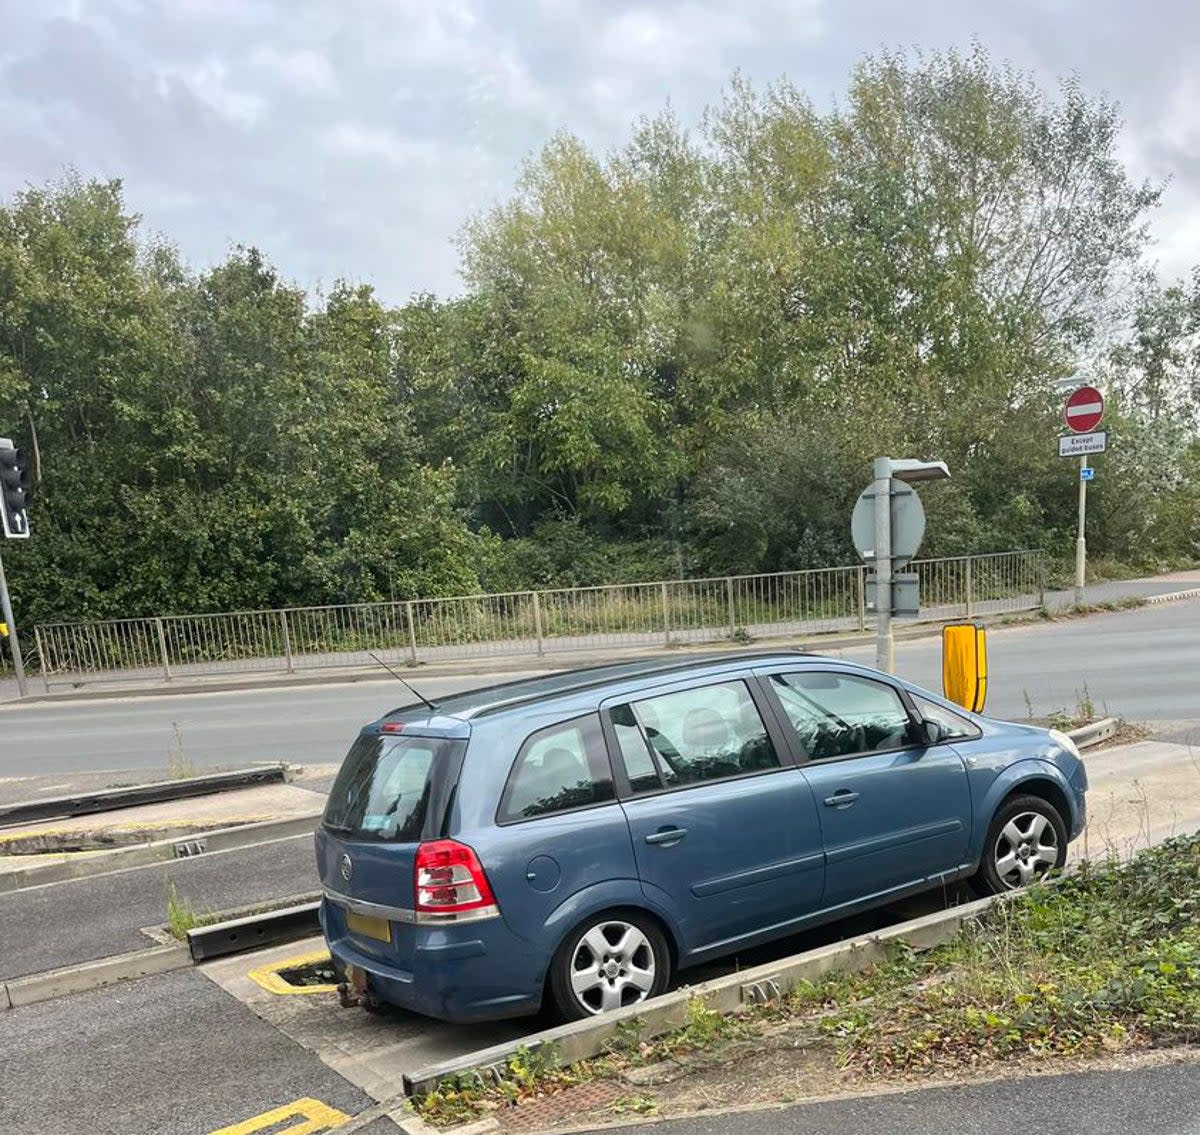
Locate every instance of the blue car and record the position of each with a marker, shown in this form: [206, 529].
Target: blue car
[577, 838]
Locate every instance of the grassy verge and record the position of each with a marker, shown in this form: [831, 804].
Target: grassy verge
[1105, 961]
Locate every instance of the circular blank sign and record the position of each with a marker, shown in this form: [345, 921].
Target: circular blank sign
[908, 523]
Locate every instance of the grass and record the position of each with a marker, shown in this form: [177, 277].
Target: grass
[1105, 960]
[182, 916]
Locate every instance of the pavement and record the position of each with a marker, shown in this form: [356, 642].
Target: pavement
[1162, 1100]
[1139, 664]
[171, 1055]
[80, 920]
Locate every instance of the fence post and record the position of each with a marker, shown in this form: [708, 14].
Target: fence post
[41, 653]
[970, 581]
[537, 622]
[729, 600]
[287, 643]
[862, 598]
[162, 647]
[412, 632]
[666, 614]
[1039, 566]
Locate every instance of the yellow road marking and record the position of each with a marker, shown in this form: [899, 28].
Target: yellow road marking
[268, 976]
[316, 1117]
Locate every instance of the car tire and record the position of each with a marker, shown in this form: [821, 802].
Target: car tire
[1026, 838]
[609, 961]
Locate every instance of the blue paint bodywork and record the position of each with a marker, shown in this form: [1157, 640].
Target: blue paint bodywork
[765, 856]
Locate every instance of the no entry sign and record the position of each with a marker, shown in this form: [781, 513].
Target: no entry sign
[1084, 410]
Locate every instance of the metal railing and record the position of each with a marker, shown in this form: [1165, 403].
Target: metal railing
[662, 613]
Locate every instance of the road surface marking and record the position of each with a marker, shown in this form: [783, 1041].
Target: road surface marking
[269, 977]
[315, 1115]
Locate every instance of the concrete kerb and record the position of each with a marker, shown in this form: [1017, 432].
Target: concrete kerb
[1171, 596]
[139, 855]
[91, 975]
[583, 1039]
[86, 804]
[1093, 734]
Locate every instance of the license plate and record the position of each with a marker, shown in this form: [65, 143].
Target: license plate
[368, 926]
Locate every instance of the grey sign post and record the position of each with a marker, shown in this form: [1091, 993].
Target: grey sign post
[888, 535]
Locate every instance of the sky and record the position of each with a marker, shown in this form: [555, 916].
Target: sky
[353, 139]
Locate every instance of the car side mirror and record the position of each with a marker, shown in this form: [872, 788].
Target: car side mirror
[928, 732]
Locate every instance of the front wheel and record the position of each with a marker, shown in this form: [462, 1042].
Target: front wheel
[609, 962]
[1026, 839]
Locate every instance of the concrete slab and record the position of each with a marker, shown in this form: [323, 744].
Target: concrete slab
[372, 1051]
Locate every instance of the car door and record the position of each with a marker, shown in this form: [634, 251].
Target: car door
[894, 814]
[725, 829]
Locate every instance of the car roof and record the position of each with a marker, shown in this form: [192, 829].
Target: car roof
[489, 700]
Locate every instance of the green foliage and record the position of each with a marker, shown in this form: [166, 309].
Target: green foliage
[1106, 959]
[674, 360]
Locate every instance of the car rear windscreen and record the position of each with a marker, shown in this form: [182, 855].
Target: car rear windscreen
[386, 784]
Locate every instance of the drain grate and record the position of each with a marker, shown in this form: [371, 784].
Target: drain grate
[569, 1104]
[307, 973]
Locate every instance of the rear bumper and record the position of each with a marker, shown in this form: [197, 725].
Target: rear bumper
[480, 971]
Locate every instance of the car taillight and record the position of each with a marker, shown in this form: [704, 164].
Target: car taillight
[450, 882]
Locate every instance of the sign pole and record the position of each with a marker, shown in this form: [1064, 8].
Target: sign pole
[14, 641]
[1081, 539]
[885, 647]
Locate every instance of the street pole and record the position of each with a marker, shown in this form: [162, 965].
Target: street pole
[884, 645]
[1081, 540]
[13, 639]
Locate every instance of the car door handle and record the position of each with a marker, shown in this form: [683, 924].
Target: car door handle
[841, 799]
[667, 836]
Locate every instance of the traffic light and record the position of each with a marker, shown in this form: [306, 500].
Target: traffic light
[14, 492]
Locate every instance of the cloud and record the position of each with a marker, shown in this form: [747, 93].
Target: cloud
[209, 82]
[355, 139]
[302, 70]
[364, 140]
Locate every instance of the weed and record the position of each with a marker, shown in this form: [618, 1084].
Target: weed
[1084, 704]
[634, 1105]
[181, 916]
[179, 764]
[741, 636]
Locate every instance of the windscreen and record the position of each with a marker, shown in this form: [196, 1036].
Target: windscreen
[384, 788]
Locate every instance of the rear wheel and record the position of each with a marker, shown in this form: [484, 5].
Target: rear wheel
[609, 962]
[1027, 838]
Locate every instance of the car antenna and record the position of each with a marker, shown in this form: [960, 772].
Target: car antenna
[406, 685]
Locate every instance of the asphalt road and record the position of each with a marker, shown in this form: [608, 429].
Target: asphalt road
[63, 923]
[172, 1055]
[1139, 664]
[1162, 1100]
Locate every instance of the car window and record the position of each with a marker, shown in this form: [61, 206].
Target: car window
[954, 725]
[708, 733]
[643, 773]
[839, 715]
[383, 788]
[558, 769]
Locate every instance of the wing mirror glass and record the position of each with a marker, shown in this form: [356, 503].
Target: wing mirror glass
[930, 732]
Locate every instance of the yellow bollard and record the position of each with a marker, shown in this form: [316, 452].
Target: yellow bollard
[964, 665]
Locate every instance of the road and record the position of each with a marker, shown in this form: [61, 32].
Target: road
[1139, 664]
[1162, 1100]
